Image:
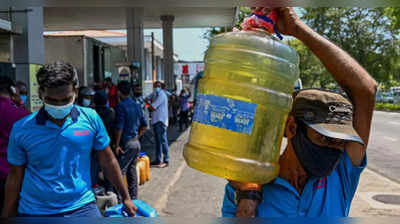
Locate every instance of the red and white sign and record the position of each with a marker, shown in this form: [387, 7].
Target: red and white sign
[190, 69]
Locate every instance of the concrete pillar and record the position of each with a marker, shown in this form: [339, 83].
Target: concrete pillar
[135, 38]
[29, 50]
[158, 67]
[167, 25]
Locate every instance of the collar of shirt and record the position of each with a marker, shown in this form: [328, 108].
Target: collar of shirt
[284, 183]
[41, 117]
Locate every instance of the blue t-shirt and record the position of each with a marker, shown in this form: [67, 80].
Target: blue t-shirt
[130, 118]
[326, 196]
[57, 160]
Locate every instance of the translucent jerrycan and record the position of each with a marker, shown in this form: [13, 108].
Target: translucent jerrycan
[241, 107]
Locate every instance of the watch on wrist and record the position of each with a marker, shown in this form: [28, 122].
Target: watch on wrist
[248, 194]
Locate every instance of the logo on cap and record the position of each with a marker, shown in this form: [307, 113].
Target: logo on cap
[309, 116]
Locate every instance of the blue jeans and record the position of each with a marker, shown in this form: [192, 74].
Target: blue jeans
[160, 134]
[88, 210]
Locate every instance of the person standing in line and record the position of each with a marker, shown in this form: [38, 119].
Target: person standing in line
[111, 90]
[130, 126]
[10, 113]
[184, 109]
[85, 98]
[107, 115]
[158, 105]
[23, 93]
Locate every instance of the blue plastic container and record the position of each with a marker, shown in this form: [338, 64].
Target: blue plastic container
[144, 210]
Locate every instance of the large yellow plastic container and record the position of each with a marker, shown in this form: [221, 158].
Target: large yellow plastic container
[242, 105]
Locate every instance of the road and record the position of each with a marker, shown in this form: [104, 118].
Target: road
[383, 148]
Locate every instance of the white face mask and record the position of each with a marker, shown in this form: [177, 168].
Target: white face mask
[59, 112]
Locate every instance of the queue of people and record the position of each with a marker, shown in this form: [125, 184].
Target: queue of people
[76, 135]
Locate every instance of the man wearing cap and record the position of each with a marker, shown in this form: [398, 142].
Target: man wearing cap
[327, 139]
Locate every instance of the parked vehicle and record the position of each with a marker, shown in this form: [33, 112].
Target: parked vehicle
[385, 97]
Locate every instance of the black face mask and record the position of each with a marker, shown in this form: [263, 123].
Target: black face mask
[316, 160]
[137, 94]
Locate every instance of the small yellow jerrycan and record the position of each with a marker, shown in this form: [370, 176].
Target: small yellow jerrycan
[143, 165]
[242, 104]
[146, 160]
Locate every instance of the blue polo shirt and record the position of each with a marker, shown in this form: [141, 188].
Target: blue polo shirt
[130, 118]
[57, 160]
[326, 196]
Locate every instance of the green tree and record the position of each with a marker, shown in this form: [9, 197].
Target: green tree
[243, 13]
[366, 34]
[370, 35]
[312, 72]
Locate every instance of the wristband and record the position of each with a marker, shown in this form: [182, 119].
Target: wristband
[249, 194]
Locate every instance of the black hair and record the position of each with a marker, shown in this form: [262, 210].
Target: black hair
[56, 75]
[7, 85]
[100, 98]
[124, 87]
[108, 79]
[20, 84]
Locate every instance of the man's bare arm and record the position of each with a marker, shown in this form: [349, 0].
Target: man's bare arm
[112, 171]
[352, 77]
[13, 188]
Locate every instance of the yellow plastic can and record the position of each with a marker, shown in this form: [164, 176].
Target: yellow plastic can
[141, 165]
[242, 105]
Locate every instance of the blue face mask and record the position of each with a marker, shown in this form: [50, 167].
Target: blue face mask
[59, 112]
[23, 99]
[157, 89]
[86, 102]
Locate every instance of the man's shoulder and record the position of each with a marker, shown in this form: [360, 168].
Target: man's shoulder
[26, 120]
[163, 94]
[87, 112]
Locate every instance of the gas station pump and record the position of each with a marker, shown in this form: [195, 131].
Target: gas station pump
[129, 72]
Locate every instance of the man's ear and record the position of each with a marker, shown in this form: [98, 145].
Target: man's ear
[291, 127]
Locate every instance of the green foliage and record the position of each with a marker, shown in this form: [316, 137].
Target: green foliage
[312, 72]
[370, 35]
[387, 107]
[394, 15]
[243, 13]
[367, 34]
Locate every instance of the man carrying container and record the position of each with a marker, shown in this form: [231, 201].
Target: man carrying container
[327, 140]
[49, 152]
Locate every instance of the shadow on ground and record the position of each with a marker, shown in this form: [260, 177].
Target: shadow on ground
[148, 142]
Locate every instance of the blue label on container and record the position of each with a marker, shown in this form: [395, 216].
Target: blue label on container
[225, 113]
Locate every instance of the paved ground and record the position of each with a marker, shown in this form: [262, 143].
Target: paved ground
[180, 191]
[383, 149]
